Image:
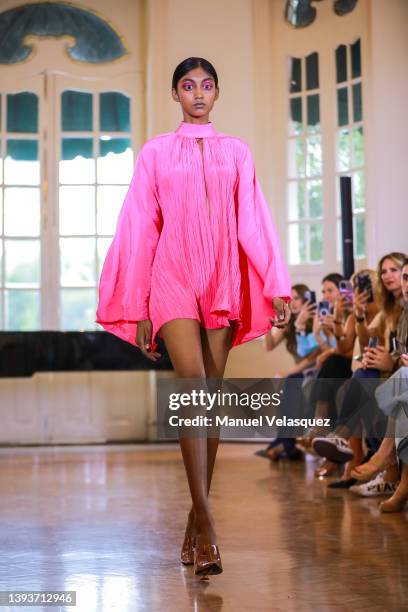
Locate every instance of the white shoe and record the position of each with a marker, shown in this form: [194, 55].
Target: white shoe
[334, 448]
[377, 486]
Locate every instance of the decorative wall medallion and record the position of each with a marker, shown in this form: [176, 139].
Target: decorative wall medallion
[95, 41]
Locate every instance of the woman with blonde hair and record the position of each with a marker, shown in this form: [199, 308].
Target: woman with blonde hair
[388, 286]
[385, 324]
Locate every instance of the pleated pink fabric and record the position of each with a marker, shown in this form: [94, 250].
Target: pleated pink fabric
[194, 239]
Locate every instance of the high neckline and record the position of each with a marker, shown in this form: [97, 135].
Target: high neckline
[196, 130]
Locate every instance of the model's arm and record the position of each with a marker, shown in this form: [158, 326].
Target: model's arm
[125, 280]
[257, 232]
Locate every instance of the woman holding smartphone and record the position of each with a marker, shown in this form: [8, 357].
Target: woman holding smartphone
[301, 344]
[384, 325]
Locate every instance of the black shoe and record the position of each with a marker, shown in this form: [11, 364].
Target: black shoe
[342, 484]
[263, 453]
[295, 455]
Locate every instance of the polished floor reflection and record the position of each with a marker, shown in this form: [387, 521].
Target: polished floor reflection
[108, 523]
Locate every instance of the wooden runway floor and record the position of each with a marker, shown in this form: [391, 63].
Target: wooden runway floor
[108, 522]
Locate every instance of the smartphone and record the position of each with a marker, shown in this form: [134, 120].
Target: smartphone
[346, 289]
[324, 308]
[373, 342]
[363, 282]
[311, 296]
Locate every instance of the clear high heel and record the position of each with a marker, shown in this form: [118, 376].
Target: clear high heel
[187, 550]
[207, 560]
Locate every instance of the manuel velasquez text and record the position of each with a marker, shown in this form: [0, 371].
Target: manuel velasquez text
[260, 421]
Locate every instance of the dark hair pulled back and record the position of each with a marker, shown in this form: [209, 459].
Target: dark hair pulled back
[189, 64]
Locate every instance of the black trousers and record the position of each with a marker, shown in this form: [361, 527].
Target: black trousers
[333, 373]
[360, 406]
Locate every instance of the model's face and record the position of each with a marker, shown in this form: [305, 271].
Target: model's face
[296, 303]
[391, 276]
[196, 93]
[330, 291]
[404, 283]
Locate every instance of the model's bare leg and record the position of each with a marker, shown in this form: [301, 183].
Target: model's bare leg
[216, 345]
[184, 345]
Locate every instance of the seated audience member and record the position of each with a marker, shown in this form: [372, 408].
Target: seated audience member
[335, 365]
[386, 361]
[304, 349]
[392, 397]
[323, 327]
[347, 345]
[398, 500]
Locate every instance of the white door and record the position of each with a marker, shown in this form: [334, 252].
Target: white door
[21, 195]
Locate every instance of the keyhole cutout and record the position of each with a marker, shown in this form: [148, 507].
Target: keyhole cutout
[199, 141]
[200, 144]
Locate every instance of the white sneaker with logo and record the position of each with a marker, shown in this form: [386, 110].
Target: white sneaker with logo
[377, 486]
[334, 448]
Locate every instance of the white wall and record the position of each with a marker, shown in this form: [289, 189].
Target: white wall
[387, 122]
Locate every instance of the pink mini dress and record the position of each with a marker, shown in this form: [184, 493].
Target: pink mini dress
[194, 239]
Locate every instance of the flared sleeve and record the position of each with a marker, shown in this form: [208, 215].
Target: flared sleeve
[257, 233]
[125, 280]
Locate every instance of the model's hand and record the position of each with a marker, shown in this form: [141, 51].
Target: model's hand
[144, 339]
[282, 313]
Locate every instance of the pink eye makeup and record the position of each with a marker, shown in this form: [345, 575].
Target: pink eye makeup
[207, 85]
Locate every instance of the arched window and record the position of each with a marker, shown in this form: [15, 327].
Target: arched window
[325, 140]
[68, 130]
